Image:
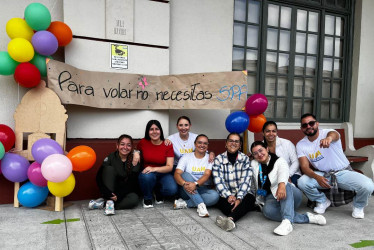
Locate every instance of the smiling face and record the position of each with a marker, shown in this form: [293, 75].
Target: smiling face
[309, 126]
[201, 145]
[270, 133]
[260, 154]
[124, 147]
[154, 133]
[233, 144]
[183, 127]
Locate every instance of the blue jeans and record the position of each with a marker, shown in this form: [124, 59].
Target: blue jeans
[163, 183]
[347, 180]
[203, 195]
[285, 209]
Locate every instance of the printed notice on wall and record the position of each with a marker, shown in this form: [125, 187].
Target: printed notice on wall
[119, 56]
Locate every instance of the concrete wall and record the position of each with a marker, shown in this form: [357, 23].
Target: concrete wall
[362, 100]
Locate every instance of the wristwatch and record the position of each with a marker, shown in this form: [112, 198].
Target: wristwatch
[197, 184]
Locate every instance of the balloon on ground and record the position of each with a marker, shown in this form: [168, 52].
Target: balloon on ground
[237, 122]
[34, 173]
[14, 167]
[56, 168]
[256, 122]
[30, 195]
[256, 104]
[82, 157]
[62, 189]
[7, 137]
[45, 147]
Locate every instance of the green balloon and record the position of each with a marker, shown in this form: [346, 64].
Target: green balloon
[39, 61]
[37, 16]
[7, 64]
[2, 151]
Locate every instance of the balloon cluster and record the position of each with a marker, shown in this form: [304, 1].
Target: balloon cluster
[252, 119]
[33, 39]
[51, 171]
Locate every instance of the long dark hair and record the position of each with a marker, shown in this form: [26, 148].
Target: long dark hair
[148, 127]
[130, 155]
[258, 143]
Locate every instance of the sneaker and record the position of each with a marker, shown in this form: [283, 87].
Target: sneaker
[284, 228]
[159, 199]
[202, 211]
[180, 204]
[147, 203]
[96, 204]
[358, 213]
[225, 223]
[321, 207]
[109, 208]
[316, 219]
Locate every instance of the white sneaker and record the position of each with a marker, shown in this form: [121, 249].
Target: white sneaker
[96, 204]
[321, 207]
[358, 213]
[109, 208]
[284, 228]
[225, 223]
[180, 204]
[316, 219]
[147, 204]
[202, 211]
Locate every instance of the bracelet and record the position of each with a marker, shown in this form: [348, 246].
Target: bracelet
[184, 184]
[136, 151]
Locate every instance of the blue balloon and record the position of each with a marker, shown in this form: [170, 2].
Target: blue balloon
[30, 195]
[237, 122]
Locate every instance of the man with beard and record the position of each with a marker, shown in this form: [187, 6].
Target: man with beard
[322, 148]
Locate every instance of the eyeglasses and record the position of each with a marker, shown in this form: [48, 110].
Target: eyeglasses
[311, 123]
[233, 141]
[260, 151]
[202, 143]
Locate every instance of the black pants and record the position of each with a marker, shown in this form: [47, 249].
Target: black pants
[247, 204]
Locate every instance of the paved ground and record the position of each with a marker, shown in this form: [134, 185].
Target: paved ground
[162, 227]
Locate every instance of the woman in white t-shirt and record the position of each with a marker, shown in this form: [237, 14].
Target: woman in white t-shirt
[183, 141]
[193, 176]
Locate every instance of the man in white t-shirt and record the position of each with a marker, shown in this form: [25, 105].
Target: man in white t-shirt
[322, 148]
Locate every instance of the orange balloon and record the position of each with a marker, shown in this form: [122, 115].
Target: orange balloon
[256, 122]
[82, 158]
[62, 32]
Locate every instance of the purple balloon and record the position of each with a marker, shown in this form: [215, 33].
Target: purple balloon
[0, 167]
[44, 42]
[45, 147]
[256, 104]
[237, 122]
[35, 175]
[14, 167]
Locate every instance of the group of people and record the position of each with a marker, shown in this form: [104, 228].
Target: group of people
[271, 179]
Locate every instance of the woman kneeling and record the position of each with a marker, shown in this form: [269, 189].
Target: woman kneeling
[278, 197]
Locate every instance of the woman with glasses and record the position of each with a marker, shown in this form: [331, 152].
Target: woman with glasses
[193, 176]
[232, 176]
[278, 197]
[158, 163]
[282, 148]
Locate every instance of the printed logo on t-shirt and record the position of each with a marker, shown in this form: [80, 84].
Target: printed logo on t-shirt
[198, 170]
[185, 151]
[316, 157]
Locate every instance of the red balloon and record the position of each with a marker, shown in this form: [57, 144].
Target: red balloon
[82, 157]
[27, 75]
[256, 122]
[7, 137]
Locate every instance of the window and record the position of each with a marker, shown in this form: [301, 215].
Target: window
[297, 53]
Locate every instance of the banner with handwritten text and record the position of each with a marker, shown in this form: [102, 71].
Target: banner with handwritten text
[223, 90]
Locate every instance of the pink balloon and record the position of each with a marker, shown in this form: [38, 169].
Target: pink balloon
[35, 175]
[56, 168]
[256, 104]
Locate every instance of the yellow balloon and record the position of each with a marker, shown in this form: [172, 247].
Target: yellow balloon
[17, 27]
[62, 189]
[20, 50]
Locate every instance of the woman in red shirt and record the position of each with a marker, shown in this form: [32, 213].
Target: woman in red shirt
[158, 164]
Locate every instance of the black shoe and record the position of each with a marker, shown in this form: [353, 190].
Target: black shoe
[159, 199]
[311, 204]
[147, 203]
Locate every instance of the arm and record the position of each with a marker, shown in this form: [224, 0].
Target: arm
[163, 169]
[304, 166]
[294, 167]
[245, 180]
[283, 174]
[212, 155]
[332, 136]
[219, 180]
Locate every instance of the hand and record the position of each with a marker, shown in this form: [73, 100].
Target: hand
[212, 155]
[114, 197]
[148, 170]
[231, 199]
[135, 158]
[281, 191]
[190, 187]
[236, 203]
[325, 143]
[322, 181]
[167, 142]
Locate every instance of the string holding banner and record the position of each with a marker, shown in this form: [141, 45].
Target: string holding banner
[221, 90]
